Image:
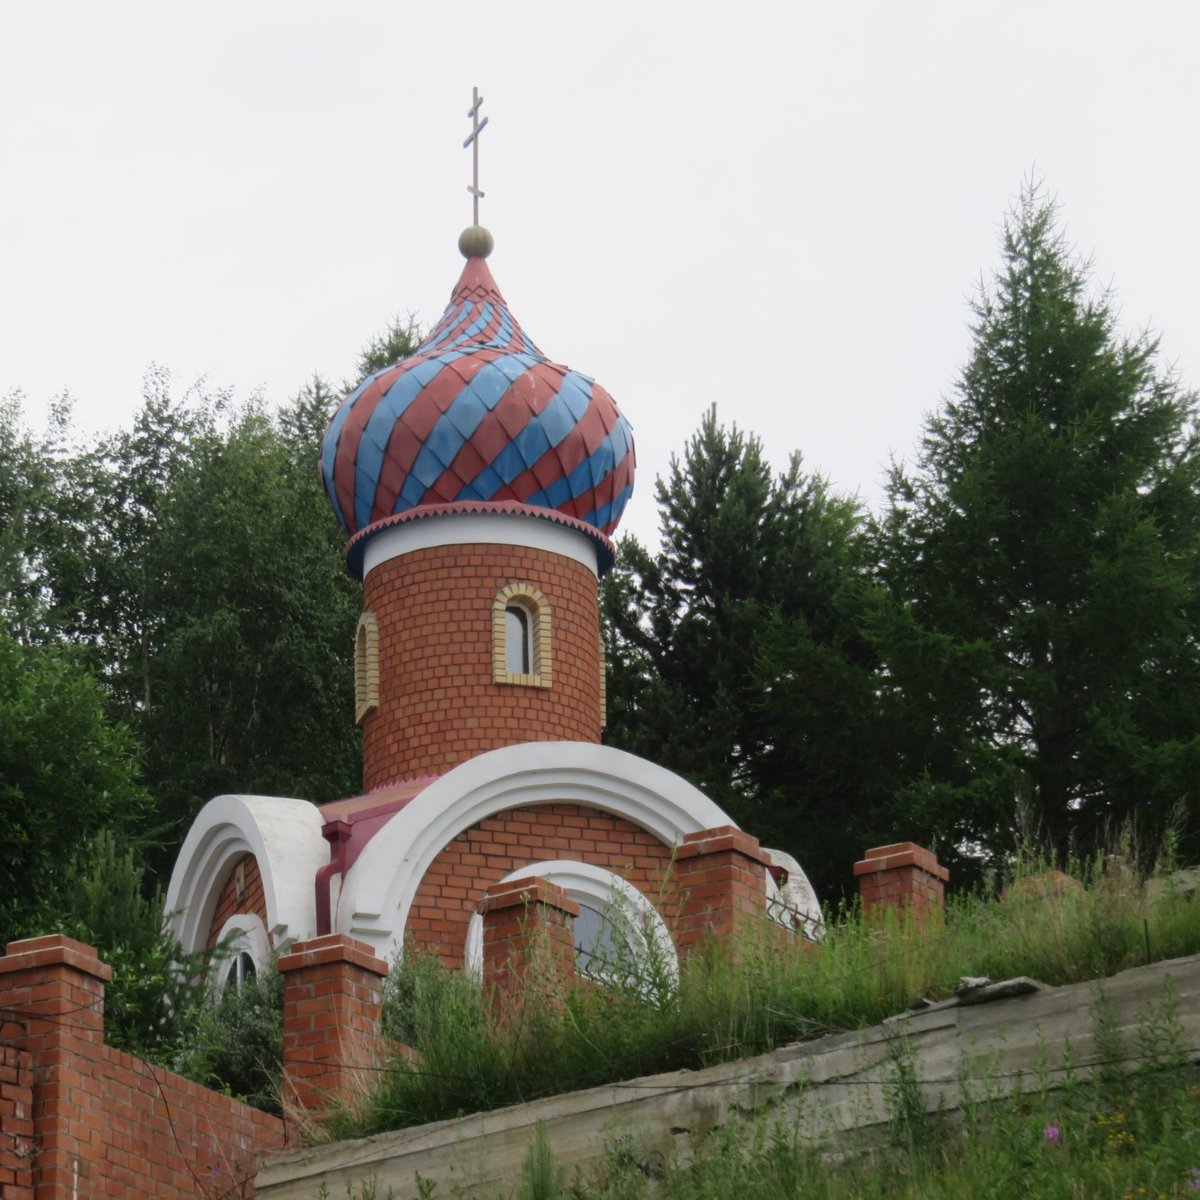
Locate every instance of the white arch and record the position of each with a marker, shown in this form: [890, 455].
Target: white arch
[796, 900]
[587, 884]
[378, 890]
[284, 836]
[245, 933]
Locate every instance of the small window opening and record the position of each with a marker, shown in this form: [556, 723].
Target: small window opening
[241, 970]
[521, 636]
[517, 641]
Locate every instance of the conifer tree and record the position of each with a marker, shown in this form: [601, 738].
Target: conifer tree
[1042, 566]
[733, 652]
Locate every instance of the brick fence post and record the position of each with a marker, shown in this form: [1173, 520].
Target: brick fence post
[52, 994]
[903, 876]
[16, 1123]
[722, 880]
[528, 926]
[332, 993]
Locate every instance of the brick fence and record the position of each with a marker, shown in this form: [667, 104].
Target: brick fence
[79, 1118]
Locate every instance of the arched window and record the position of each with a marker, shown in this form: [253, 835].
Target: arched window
[619, 937]
[366, 666]
[521, 636]
[241, 970]
[518, 640]
[243, 938]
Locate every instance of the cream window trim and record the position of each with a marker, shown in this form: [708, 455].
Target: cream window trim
[366, 666]
[537, 610]
[603, 686]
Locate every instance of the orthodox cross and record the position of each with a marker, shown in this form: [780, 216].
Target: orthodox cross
[477, 127]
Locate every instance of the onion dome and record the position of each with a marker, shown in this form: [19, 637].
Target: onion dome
[478, 418]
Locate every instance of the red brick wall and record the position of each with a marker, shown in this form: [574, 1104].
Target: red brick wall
[490, 849]
[722, 880]
[152, 1133]
[332, 992]
[105, 1123]
[438, 703]
[227, 904]
[528, 926]
[903, 876]
[16, 1124]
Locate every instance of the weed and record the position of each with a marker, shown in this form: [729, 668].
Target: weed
[911, 1126]
[541, 1176]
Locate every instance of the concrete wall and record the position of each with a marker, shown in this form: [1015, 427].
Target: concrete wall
[827, 1087]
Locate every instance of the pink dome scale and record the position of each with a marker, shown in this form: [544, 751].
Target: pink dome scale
[478, 418]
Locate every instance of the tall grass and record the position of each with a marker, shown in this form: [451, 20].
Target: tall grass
[736, 1000]
[1129, 1135]
[1093, 1143]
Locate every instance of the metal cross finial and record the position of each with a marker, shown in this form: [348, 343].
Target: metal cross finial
[477, 127]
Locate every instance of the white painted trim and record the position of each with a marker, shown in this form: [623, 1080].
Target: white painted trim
[583, 882]
[284, 835]
[797, 895]
[379, 888]
[493, 529]
[249, 935]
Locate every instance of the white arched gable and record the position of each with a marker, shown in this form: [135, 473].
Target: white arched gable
[795, 905]
[594, 886]
[379, 889]
[244, 933]
[284, 836]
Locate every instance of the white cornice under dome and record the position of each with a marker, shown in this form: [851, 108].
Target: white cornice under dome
[479, 528]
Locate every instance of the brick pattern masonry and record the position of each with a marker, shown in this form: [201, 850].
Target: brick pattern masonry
[492, 848]
[106, 1124]
[528, 927]
[16, 1124]
[439, 703]
[332, 990]
[904, 876]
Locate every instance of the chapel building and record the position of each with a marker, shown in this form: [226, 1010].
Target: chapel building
[479, 484]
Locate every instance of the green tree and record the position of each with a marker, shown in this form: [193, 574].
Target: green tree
[100, 573]
[400, 339]
[733, 653]
[152, 1000]
[251, 674]
[1041, 567]
[193, 562]
[36, 514]
[66, 772]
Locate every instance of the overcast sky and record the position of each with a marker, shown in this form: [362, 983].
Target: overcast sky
[778, 208]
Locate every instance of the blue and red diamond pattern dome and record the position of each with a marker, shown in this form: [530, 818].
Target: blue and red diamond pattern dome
[478, 418]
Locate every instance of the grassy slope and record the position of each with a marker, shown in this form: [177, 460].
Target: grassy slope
[726, 1007]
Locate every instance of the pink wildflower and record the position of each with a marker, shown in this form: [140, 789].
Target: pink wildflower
[1052, 1135]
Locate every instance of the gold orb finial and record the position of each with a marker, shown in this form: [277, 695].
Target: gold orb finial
[475, 242]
